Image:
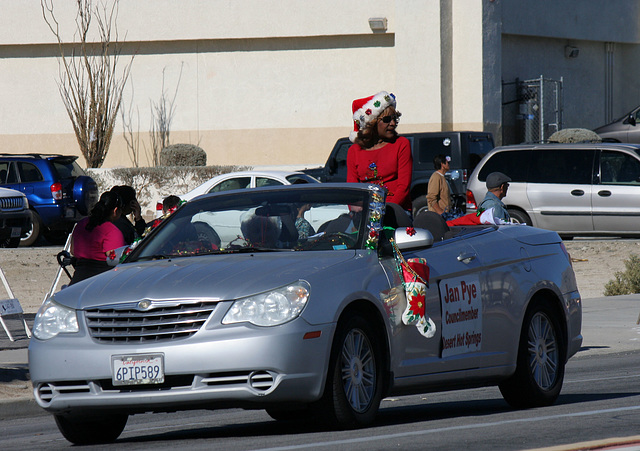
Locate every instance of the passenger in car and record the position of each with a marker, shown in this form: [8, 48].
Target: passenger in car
[304, 227]
[379, 155]
[497, 184]
[95, 236]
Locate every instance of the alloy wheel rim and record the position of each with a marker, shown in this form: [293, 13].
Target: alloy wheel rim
[543, 351]
[358, 370]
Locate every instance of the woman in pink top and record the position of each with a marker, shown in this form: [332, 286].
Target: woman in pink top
[96, 235]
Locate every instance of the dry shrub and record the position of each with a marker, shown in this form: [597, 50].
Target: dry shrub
[627, 281]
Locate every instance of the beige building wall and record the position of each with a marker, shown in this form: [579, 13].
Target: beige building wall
[259, 82]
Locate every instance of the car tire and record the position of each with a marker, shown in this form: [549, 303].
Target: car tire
[355, 376]
[82, 430]
[519, 217]
[541, 359]
[34, 232]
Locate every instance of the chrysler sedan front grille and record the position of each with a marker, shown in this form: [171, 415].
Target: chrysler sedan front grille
[162, 321]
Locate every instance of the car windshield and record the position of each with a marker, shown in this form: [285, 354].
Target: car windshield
[289, 218]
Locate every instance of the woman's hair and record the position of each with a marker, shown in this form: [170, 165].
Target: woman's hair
[126, 193]
[368, 136]
[102, 209]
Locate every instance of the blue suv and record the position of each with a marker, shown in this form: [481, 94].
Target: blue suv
[60, 193]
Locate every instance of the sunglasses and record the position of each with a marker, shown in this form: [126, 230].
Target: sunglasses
[388, 119]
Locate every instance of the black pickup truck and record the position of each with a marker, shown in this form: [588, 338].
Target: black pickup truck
[466, 149]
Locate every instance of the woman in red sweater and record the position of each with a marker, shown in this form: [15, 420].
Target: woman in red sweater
[378, 154]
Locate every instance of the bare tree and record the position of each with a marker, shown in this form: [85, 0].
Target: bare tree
[91, 81]
[131, 137]
[161, 117]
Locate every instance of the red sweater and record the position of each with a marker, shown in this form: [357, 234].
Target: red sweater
[389, 166]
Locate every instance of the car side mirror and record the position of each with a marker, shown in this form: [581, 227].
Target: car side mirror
[114, 256]
[632, 119]
[411, 238]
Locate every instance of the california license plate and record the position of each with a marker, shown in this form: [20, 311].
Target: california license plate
[137, 369]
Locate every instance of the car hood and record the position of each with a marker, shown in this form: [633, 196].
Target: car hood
[612, 127]
[213, 276]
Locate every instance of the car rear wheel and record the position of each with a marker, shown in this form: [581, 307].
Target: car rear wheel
[519, 217]
[355, 382]
[541, 360]
[82, 430]
[34, 232]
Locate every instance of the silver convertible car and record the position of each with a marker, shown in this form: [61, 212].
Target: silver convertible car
[306, 322]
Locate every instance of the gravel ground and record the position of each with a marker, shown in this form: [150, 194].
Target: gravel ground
[31, 271]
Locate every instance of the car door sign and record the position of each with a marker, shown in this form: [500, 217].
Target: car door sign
[461, 301]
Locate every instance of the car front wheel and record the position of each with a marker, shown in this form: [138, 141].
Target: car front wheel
[354, 384]
[541, 360]
[81, 430]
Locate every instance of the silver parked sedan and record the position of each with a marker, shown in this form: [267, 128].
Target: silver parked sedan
[302, 321]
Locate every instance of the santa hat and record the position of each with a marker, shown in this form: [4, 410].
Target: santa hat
[367, 109]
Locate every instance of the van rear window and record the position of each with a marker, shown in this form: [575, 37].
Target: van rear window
[512, 163]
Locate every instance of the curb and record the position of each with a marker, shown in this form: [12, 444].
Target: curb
[20, 408]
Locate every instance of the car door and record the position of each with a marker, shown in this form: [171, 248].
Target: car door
[455, 272]
[559, 189]
[616, 199]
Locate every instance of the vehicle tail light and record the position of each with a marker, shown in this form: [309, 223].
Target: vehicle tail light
[56, 191]
[465, 176]
[158, 209]
[471, 201]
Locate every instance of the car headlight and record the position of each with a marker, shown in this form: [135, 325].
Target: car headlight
[53, 319]
[270, 308]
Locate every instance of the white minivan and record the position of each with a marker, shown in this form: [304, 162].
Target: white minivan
[573, 189]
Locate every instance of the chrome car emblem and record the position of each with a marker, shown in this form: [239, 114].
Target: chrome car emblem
[144, 305]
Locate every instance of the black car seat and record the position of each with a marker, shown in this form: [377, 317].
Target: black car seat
[434, 223]
[395, 217]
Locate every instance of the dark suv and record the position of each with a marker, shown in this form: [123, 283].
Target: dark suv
[59, 192]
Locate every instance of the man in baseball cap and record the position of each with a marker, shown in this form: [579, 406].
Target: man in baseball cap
[497, 185]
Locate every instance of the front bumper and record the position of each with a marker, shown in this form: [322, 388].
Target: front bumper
[239, 366]
[14, 220]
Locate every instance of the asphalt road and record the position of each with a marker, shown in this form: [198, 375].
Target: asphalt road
[600, 399]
